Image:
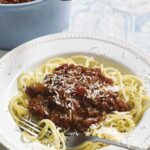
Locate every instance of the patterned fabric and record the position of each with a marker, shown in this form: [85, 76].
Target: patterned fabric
[123, 19]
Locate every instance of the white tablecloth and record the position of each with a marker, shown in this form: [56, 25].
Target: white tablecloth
[123, 19]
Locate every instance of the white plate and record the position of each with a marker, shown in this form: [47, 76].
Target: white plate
[111, 52]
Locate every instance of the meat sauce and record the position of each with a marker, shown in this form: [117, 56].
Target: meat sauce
[14, 1]
[74, 97]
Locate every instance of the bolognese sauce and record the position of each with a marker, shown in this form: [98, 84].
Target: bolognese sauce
[74, 97]
[14, 1]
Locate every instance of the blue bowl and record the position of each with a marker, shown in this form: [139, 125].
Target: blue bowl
[25, 21]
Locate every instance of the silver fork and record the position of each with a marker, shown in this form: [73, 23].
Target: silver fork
[73, 140]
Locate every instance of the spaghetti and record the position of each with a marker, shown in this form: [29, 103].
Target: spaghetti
[123, 113]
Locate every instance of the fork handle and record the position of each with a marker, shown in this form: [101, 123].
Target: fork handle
[115, 143]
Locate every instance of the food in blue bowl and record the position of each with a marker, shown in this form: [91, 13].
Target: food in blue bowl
[14, 1]
[23, 20]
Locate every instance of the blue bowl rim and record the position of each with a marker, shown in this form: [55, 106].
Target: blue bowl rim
[21, 4]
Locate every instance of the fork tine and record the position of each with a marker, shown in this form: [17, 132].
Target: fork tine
[27, 130]
[30, 125]
[31, 122]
